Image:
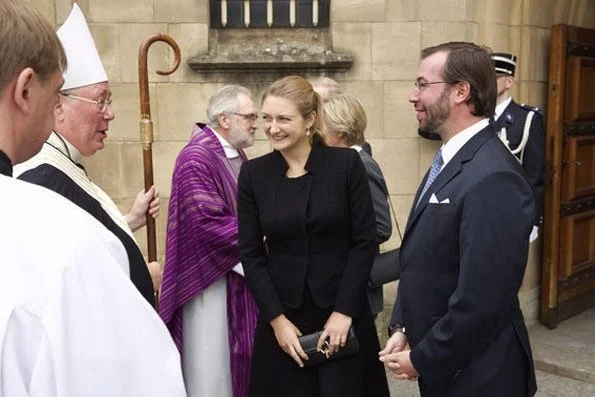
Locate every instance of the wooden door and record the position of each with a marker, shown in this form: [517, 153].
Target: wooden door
[568, 268]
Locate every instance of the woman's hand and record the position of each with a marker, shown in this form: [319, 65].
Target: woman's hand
[287, 337]
[336, 330]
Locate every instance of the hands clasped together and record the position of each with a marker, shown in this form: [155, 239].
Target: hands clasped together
[395, 356]
[335, 330]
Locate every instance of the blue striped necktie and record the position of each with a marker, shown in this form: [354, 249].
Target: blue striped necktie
[434, 171]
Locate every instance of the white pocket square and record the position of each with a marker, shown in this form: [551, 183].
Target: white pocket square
[434, 200]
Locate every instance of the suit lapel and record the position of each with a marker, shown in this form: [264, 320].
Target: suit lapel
[315, 164]
[452, 169]
[416, 199]
[277, 170]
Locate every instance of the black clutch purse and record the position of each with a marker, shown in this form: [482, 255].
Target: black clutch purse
[310, 341]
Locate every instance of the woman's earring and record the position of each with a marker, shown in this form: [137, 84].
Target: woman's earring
[307, 132]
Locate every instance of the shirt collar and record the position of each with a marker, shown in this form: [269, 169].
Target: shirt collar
[5, 164]
[230, 151]
[500, 108]
[60, 143]
[358, 148]
[450, 148]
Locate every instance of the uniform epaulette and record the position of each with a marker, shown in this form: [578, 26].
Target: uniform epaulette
[533, 108]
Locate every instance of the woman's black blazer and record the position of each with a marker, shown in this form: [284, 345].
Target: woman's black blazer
[333, 254]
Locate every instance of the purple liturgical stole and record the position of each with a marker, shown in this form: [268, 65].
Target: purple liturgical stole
[202, 246]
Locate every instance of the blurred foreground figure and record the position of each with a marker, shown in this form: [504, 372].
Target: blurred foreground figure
[71, 323]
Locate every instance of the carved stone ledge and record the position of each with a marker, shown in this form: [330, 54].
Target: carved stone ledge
[265, 52]
[207, 64]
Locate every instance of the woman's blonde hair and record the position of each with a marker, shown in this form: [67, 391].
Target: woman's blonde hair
[299, 91]
[345, 117]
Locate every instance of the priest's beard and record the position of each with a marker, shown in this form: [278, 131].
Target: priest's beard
[239, 137]
[436, 115]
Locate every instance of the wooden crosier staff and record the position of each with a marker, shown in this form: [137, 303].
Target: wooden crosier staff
[146, 124]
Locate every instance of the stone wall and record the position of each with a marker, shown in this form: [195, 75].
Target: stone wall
[385, 37]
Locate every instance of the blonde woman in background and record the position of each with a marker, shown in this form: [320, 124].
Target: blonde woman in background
[345, 121]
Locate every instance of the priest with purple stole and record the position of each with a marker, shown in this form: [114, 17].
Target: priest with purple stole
[204, 298]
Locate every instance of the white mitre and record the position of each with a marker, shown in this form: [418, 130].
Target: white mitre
[84, 65]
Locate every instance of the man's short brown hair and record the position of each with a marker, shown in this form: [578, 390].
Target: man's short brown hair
[27, 40]
[470, 63]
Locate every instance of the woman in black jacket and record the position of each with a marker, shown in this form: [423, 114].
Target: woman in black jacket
[307, 241]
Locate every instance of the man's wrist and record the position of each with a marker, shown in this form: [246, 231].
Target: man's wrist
[394, 328]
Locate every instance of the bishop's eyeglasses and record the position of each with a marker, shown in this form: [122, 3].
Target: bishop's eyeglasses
[101, 104]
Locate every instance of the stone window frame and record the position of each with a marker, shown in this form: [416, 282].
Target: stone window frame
[250, 14]
[271, 49]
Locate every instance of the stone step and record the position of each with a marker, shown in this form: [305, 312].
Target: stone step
[568, 350]
[548, 385]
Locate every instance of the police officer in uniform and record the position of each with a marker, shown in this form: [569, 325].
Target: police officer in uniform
[521, 128]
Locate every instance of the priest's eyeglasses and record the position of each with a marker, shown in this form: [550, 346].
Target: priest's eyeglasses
[252, 117]
[101, 104]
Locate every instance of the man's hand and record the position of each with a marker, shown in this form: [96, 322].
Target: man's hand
[336, 330]
[156, 272]
[145, 202]
[287, 337]
[396, 357]
[396, 343]
[400, 365]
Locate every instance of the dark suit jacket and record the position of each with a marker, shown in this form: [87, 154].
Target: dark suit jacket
[513, 119]
[462, 265]
[333, 255]
[379, 193]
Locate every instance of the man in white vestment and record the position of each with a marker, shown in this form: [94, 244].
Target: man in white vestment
[71, 322]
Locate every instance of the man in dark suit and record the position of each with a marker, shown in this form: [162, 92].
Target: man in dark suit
[457, 325]
[522, 130]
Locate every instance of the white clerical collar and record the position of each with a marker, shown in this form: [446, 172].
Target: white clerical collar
[500, 108]
[454, 144]
[60, 143]
[230, 151]
[358, 148]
